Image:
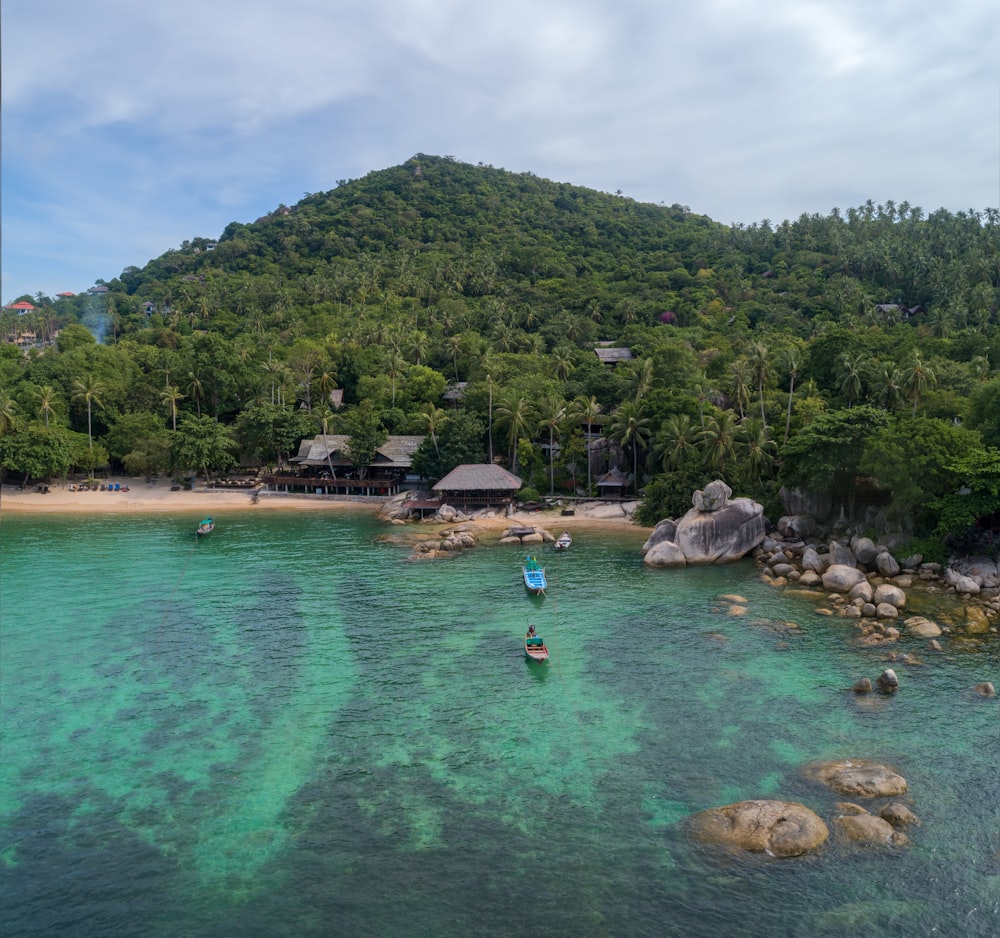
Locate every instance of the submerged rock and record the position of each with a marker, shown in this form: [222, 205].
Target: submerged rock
[868, 829]
[858, 777]
[780, 828]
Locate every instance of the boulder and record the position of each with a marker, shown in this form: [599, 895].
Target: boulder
[921, 627]
[665, 554]
[797, 526]
[841, 554]
[864, 686]
[858, 777]
[867, 829]
[810, 578]
[716, 535]
[861, 590]
[798, 501]
[714, 497]
[887, 593]
[887, 565]
[986, 689]
[887, 681]
[812, 560]
[976, 621]
[961, 583]
[981, 569]
[780, 828]
[899, 815]
[886, 611]
[666, 530]
[839, 578]
[864, 550]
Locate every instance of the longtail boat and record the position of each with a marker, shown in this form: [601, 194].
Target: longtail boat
[534, 576]
[205, 526]
[534, 647]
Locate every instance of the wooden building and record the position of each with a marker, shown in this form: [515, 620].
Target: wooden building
[479, 485]
[323, 466]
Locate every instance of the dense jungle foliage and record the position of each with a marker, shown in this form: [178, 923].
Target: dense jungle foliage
[854, 353]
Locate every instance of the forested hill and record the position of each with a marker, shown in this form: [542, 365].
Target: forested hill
[856, 351]
[434, 228]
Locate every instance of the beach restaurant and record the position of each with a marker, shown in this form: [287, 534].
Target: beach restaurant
[323, 466]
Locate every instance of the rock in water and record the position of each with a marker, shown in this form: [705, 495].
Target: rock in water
[781, 828]
[858, 777]
[887, 681]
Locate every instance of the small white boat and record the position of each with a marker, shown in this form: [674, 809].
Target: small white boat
[563, 541]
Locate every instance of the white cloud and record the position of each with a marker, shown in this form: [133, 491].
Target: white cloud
[169, 121]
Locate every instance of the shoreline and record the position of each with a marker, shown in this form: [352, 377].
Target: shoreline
[145, 498]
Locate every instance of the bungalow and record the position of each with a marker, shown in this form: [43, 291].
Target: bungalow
[612, 356]
[612, 484]
[478, 485]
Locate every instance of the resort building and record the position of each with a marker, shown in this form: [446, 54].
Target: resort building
[324, 466]
[479, 485]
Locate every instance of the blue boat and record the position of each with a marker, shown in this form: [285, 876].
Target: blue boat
[534, 576]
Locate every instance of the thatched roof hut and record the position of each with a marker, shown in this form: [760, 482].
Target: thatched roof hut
[478, 484]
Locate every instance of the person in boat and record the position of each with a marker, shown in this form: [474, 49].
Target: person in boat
[531, 632]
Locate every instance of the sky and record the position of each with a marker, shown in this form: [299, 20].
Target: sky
[129, 128]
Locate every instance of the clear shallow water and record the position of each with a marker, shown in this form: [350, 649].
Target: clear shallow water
[288, 728]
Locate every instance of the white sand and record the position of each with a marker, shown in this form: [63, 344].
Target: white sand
[143, 497]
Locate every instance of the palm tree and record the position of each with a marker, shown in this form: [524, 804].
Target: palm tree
[755, 449]
[514, 414]
[8, 413]
[675, 443]
[628, 428]
[918, 378]
[170, 397]
[850, 381]
[432, 417]
[703, 388]
[552, 413]
[88, 389]
[739, 375]
[640, 378]
[587, 409]
[46, 402]
[761, 367]
[195, 390]
[718, 439]
[793, 361]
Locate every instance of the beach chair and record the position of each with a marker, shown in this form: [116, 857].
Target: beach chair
[118, 486]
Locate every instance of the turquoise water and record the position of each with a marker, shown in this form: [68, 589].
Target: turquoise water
[288, 728]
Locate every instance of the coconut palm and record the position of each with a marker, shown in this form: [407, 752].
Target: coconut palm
[739, 376]
[514, 415]
[8, 413]
[587, 409]
[47, 398]
[629, 428]
[170, 397]
[754, 448]
[760, 366]
[793, 362]
[675, 443]
[432, 417]
[718, 439]
[917, 378]
[88, 389]
[552, 412]
[195, 389]
[852, 375]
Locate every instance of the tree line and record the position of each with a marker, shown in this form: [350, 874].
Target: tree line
[758, 351]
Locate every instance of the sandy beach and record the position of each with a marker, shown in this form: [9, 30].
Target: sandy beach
[158, 497]
[143, 497]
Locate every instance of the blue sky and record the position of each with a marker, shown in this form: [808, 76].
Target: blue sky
[128, 128]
